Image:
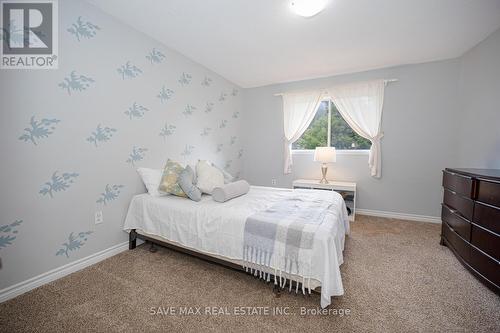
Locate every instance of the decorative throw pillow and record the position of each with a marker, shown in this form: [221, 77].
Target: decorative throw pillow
[193, 168]
[151, 179]
[169, 183]
[208, 177]
[228, 178]
[186, 182]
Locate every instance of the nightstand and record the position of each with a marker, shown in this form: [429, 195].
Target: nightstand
[346, 189]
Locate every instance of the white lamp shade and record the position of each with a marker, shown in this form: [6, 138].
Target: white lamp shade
[325, 155]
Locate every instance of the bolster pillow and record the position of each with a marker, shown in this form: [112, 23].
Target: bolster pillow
[230, 191]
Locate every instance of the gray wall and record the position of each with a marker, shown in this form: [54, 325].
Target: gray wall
[29, 248]
[438, 114]
[479, 136]
[419, 125]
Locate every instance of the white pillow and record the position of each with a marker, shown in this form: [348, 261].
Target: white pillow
[151, 179]
[228, 178]
[208, 176]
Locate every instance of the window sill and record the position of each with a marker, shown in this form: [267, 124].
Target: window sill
[338, 151]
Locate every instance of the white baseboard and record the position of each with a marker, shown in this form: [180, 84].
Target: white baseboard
[401, 216]
[37, 281]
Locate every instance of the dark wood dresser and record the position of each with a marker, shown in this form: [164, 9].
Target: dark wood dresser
[471, 221]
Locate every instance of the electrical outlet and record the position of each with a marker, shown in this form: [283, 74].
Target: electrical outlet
[273, 181]
[98, 217]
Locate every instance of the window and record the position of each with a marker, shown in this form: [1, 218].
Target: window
[328, 128]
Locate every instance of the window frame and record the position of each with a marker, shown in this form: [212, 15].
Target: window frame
[338, 151]
[329, 131]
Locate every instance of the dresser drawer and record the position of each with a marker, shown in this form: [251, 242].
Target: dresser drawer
[487, 216]
[456, 222]
[487, 266]
[488, 192]
[463, 205]
[487, 241]
[459, 245]
[458, 183]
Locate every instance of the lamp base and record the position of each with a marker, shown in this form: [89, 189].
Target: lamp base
[324, 170]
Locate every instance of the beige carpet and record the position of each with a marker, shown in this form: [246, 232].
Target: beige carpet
[397, 278]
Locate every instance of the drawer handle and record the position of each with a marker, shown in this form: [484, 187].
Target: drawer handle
[452, 192]
[451, 210]
[449, 226]
[455, 212]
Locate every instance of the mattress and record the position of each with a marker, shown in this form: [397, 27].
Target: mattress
[217, 229]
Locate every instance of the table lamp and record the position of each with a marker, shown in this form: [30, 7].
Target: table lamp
[325, 155]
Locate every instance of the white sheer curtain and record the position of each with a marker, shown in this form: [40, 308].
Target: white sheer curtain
[298, 112]
[360, 104]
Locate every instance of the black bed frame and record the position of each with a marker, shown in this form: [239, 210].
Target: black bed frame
[132, 244]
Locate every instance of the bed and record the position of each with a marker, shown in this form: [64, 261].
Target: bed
[216, 230]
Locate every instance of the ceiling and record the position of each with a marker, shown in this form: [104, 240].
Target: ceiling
[260, 42]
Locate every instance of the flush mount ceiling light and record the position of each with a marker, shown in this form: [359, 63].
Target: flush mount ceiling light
[307, 8]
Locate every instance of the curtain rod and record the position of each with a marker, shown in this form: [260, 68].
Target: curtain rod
[385, 81]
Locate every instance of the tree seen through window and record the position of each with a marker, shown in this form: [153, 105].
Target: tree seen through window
[329, 122]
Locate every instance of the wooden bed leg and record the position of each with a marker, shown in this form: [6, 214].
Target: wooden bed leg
[276, 291]
[152, 248]
[441, 242]
[132, 239]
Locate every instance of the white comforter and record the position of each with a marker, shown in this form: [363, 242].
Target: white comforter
[218, 228]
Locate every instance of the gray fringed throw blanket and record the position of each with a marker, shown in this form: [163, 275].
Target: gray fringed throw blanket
[280, 238]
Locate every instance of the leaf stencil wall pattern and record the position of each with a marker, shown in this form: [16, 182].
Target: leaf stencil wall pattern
[222, 97]
[206, 131]
[185, 79]
[206, 82]
[129, 71]
[136, 111]
[16, 33]
[76, 83]
[188, 150]
[38, 130]
[110, 107]
[188, 110]
[165, 94]
[75, 242]
[101, 135]
[81, 29]
[111, 192]
[155, 56]
[136, 155]
[8, 233]
[58, 183]
[209, 107]
[167, 130]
